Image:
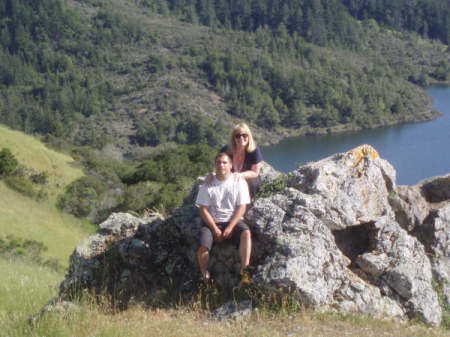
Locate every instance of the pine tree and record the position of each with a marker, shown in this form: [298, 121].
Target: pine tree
[8, 162]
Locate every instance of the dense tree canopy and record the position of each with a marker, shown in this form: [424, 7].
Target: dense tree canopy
[45, 56]
[430, 18]
[318, 21]
[272, 62]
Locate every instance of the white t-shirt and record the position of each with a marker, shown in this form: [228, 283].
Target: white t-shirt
[223, 197]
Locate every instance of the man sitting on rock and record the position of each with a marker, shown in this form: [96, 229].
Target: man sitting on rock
[222, 205]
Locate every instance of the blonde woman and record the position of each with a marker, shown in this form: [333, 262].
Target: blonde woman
[245, 155]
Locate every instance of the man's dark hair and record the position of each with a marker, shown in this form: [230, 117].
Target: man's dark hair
[222, 154]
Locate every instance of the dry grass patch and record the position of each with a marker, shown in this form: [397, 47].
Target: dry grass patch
[183, 321]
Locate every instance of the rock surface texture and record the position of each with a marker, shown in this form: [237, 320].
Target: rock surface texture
[340, 235]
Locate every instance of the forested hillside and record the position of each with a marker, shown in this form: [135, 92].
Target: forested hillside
[91, 71]
[430, 18]
[320, 22]
[106, 79]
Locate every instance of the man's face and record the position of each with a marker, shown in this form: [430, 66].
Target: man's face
[223, 166]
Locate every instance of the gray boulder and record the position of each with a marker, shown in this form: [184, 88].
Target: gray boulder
[436, 189]
[346, 189]
[435, 233]
[341, 236]
[410, 206]
[424, 211]
[398, 264]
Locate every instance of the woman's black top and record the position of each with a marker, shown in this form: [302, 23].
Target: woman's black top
[251, 158]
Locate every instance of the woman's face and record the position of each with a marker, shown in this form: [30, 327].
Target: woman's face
[241, 139]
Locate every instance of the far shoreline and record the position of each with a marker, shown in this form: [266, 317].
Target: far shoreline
[268, 138]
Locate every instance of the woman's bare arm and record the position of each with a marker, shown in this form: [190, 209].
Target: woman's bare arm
[252, 173]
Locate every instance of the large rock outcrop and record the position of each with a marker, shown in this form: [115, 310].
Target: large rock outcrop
[340, 235]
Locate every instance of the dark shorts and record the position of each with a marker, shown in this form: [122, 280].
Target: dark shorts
[207, 238]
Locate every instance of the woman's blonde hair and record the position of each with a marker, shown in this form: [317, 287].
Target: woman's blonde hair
[242, 128]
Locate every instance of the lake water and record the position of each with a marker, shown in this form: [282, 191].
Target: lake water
[417, 151]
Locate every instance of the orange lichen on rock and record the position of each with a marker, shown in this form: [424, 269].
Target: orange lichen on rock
[360, 153]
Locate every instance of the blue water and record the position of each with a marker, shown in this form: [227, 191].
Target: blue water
[417, 151]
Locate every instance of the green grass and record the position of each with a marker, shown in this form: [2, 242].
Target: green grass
[27, 218]
[24, 290]
[32, 153]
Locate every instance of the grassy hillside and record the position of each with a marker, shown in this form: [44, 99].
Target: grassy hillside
[32, 153]
[24, 290]
[26, 218]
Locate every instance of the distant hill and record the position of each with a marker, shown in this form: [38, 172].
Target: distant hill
[140, 74]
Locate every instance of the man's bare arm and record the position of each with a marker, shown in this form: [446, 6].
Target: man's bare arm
[238, 214]
[209, 221]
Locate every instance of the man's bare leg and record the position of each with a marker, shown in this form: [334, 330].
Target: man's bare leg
[245, 249]
[203, 260]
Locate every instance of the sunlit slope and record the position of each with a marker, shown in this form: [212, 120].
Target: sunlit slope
[32, 153]
[26, 218]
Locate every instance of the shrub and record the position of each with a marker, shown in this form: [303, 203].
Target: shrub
[163, 179]
[139, 196]
[21, 184]
[170, 166]
[81, 196]
[8, 163]
[29, 250]
[156, 63]
[40, 178]
[170, 197]
[272, 187]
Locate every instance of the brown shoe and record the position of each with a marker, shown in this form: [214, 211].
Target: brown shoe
[246, 277]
